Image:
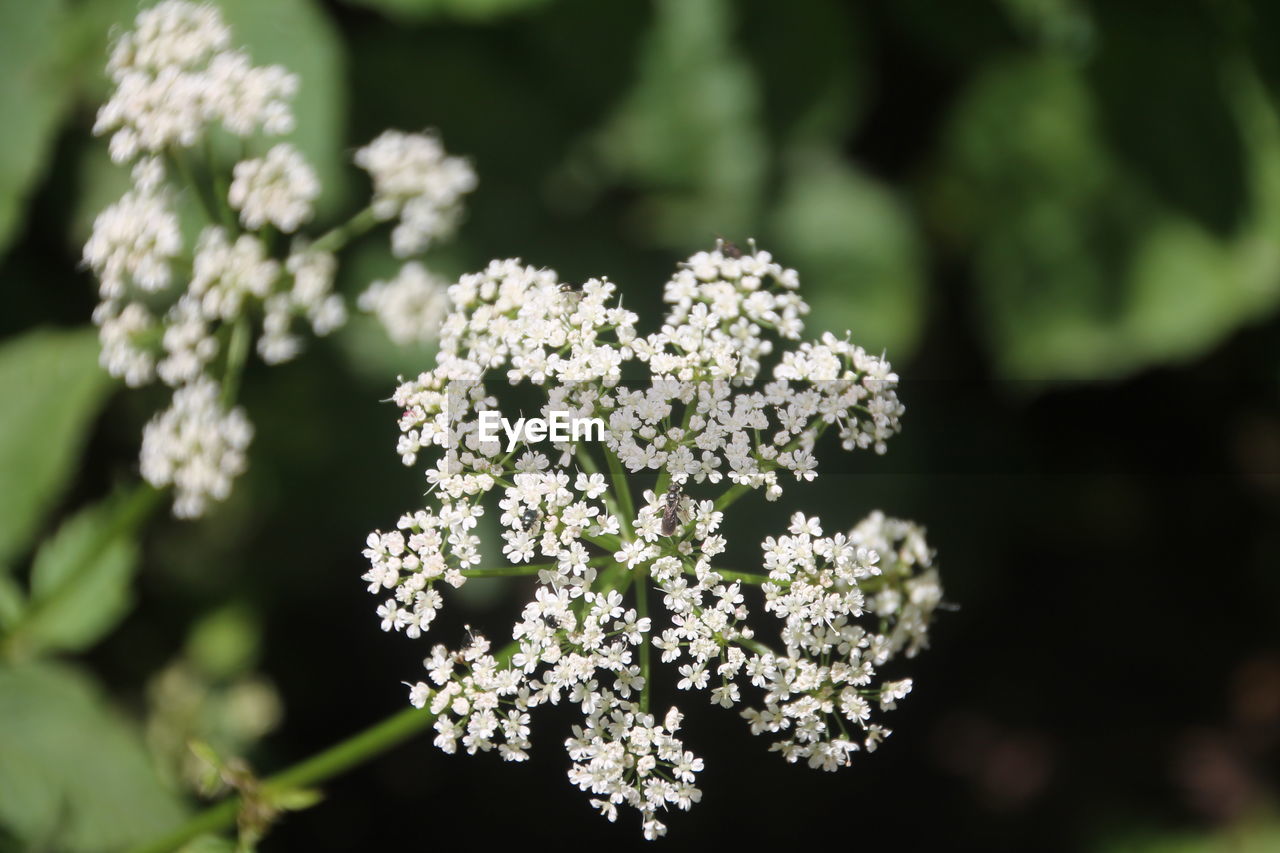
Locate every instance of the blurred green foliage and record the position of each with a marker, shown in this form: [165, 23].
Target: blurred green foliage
[34, 89]
[72, 776]
[57, 378]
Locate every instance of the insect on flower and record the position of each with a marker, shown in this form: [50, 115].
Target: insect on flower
[529, 520]
[671, 513]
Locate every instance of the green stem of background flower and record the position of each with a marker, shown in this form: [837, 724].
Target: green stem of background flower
[642, 610]
[237, 354]
[338, 758]
[336, 238]
[622, 491]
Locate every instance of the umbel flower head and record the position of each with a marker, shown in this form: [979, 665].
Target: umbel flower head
[187, 312]
[724, 399]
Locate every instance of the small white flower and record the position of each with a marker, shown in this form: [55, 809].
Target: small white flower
[411, 306]
[175, 75]
[226, 274]
[133, 243]
[196, 447]
[706, 415]
[415, 180]
[280, 189]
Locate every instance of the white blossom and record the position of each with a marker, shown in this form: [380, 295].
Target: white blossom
[176, 75]
[133, 243]
[280, 189]
[415, 180]
[720, 407]
[196, 447]
[189, 315]
[410, 306]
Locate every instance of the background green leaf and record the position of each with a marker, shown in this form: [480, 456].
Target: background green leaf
[1081, 270]
[71, 774]
[855, 244]
[12, 602]
[54, 387]
[689, 129]
[476, 10]
[33, 97]
[299, 35]
[80, 583]
[1159, 84]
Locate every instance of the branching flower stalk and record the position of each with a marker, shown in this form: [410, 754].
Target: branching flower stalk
[187, 291]
[732, 402]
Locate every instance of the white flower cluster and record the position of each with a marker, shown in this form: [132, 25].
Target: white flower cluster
[176, 74]
[184, 314]
[817, 692]
[410, 306]
[196, 447]
[625, 758]
[720, 406]
[415, 180]
[279, 189]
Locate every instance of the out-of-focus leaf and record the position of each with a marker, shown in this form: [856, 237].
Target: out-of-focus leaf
[71, 773]
[1063, 25]
[810, 60]
[1158, 81]
[12, 602]
[859, 255]
[1082, 271]
[209, 844]
[1243, 837]
[33, 96]
[80, 583]
[53, 387]
[89, 33]
[475, 10]
[688, 131]
[298, 35]
[224, 643]
[1261, 26]
[953, 32]
[99, 183]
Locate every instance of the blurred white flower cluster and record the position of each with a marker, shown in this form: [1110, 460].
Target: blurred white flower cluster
[415, 180]
[732, 402]
[184, 293]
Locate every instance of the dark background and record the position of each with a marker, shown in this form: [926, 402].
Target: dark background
[1058, 218]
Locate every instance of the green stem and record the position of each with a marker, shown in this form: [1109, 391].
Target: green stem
[754, 578]
[642, 610]
[622, 491]
[339, 236]
[338, 758]
[237, 353]
[520, 570]
[732, 494]
[755, 646]
[334, 760]
[513, 571]
[179, 165]
[610, 501]
[219, 188]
